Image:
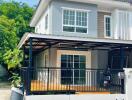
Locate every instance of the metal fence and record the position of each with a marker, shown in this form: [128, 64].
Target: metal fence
[57, 80]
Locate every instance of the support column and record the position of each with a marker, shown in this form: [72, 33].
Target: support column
[29, 72]
[24, 56]
[30, 53]
[122, 59]
[128, 83]
[22, 71]
[122, 54]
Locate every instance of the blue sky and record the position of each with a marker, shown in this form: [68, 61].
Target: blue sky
[30, 2]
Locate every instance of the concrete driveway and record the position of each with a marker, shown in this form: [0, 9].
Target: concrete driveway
[5, 94]
[5, 90]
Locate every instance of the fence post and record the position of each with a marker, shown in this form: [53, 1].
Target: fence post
[48, 81]
[29, 70]
[122, 86]
[128, 83]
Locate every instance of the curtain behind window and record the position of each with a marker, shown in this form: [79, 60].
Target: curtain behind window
[122, 24]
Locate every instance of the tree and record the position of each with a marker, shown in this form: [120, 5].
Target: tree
[13, 58]
[14, 22]
[20, 12]
[8, 37]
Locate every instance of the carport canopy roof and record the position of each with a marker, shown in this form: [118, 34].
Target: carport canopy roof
[43, 41]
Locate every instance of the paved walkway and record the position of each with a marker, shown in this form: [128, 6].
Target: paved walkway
[5, 91]
[5, 94]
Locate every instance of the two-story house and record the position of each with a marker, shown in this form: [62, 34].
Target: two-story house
[79, 46]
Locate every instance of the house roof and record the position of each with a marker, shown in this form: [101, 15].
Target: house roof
[106, 4]
[39, 11]
[43, 41]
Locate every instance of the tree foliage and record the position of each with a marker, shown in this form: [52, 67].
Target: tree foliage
[8, 37]
[13, 58]
[20, 12]
[14, 22]
[16, 80]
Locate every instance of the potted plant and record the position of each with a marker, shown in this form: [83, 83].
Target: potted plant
[13, 60]
[17, 91]
[16, 80]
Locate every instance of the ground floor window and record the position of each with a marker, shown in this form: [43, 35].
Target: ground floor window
[73, 69]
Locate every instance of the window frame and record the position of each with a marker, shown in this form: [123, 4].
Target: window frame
[74, 69]
[46, 22]
[105, 33]
[36, 29]
[75, 26]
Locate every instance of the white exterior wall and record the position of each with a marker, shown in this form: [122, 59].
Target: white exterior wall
[39, 60]
[78, 97]
[122, 27]
[128, 83]
[40, 26]
[94, 60]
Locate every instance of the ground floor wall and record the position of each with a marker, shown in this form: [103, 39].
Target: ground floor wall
[46, 58]
[72, 52]
[99, 59]
[95, 59]
[78, 97]
[52, 57]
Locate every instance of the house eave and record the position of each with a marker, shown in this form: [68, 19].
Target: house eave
[39, 11]
[108, 4]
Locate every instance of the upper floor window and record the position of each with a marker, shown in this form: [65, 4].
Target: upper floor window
[36, 29]
[75, 21]
[46, 22]
[107, 26]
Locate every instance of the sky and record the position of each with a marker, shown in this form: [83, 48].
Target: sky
[30, 2]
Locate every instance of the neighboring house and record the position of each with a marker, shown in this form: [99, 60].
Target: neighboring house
[79, 46]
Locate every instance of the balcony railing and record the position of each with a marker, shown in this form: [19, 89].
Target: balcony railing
[58, 81]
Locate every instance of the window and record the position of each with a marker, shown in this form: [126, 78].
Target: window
[76, 65]
[75, 21]
[81, 22]
[36, 29]
[46, 22]
[107, 26]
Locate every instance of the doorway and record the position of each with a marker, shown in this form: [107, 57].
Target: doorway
[73, 69]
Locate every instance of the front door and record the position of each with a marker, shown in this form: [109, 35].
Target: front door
[73, 69]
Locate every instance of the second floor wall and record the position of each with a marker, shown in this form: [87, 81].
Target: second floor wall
[85, 20]
[74, 19]
[84, 24]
